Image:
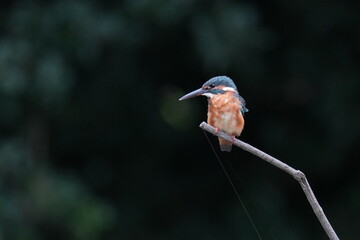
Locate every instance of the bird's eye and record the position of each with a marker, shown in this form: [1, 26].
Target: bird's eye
[208, 87]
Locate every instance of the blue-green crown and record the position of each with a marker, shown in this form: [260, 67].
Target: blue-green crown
[220, 80]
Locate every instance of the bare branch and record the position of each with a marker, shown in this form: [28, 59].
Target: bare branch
[298, 175]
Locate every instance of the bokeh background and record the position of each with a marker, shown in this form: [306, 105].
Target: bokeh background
[95, 145]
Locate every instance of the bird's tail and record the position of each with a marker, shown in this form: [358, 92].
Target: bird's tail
[225, 146]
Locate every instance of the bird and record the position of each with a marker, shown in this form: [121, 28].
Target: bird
[226, 108]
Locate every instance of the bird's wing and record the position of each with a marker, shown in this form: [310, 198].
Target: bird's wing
[242, 102]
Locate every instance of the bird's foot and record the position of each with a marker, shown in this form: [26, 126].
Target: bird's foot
[216, 130]
[233, 139]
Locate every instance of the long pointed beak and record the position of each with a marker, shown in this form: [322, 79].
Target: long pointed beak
[192, 94]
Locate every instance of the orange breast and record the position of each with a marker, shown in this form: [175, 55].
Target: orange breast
[224, 113]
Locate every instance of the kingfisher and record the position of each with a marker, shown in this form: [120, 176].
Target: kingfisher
[226, 108]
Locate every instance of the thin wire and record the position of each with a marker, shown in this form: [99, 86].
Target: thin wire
[266, 222]
[233, 186]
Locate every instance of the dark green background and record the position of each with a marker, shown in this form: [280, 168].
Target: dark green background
[95, 145]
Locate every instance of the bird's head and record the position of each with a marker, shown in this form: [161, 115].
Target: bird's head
[216, 85]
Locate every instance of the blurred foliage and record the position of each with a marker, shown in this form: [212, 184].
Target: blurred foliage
[95, 145]
[36, 202]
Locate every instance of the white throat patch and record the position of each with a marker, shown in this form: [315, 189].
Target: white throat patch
[210, 95]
